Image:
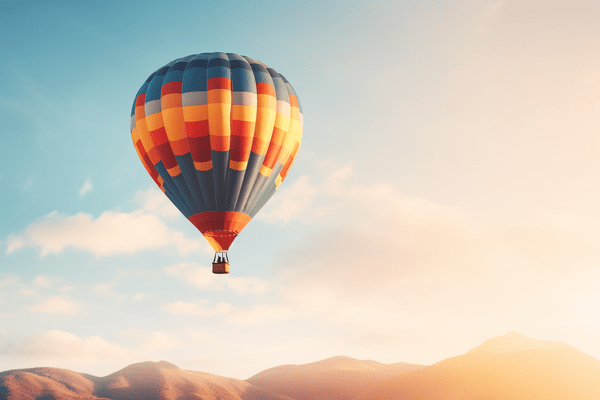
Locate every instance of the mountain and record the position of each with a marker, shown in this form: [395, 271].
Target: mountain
[507, 367]
[514, 341]
[143, 381]
[336, 378]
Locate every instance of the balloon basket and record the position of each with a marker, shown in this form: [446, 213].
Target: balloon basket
[221, 268]
[221, 262]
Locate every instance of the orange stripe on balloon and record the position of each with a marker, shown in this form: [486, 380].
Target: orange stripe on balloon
[265, 122]
[259, 146]
[139, 149]
[265, 88]
[180, 147]
[166, 155]
[154, 121]
[219, 143]
[238, 165]
[272, 154]
[220, 228]
[174, 171]
[218, 83]
[174, 125]
[154, 155]
[195, 113]
[242, 128]
[290, 161]
[197, 128]
[170, 101]
[240, 147]
[159, 136]
[170, 88]
[140, 100]
[218, 119]
[142, 131]
[266, 171]
[243, 113]
[218, 96]
[203, 165]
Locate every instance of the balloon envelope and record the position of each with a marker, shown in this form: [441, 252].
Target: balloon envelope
[218, 133]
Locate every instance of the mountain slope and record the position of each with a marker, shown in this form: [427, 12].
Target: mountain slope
[510, 367]
[503, 368]
[335, 378]
[143, 381]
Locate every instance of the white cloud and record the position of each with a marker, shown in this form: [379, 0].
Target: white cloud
[42, 280]
[203, 336]
[58, 344]
[14, 243]
[112, 232]
[156, 202]
[56, 305]
[160, 341]
[28, 292]
[245, 285]
[403, 268]
[87, 186]
[196, 275]
[202, 310]
[203, 277]
[139, 296]
[103, 289]
[291, 202]
[9, 280]
[65, 289]
[261, 313]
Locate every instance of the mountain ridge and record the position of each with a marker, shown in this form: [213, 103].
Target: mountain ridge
[501, 368]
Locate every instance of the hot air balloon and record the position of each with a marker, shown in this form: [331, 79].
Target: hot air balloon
[218, 133]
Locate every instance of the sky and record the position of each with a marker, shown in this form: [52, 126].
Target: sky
[446, 190]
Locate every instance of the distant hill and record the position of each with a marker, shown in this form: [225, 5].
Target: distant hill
[514, 341]
[143, 381]
[507, 367]
[338, 378]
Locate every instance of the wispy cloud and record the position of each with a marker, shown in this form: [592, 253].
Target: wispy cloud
[309, 199]
[58, 344]
[139, 296]
[9, 280]
[28, 184]
[105, 290]
[202, 277]
[112, 232]
[87, 186]
[160, 341]
[154, 201]
[42, 280]
[56, 305]
[261, 314]
[201, 309]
